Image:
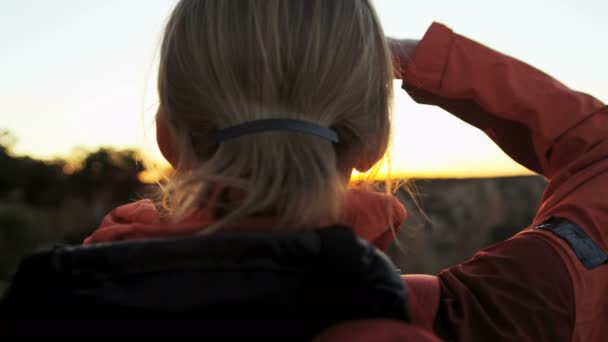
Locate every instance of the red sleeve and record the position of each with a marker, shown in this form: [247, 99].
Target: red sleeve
[519, 289]
[540, 123]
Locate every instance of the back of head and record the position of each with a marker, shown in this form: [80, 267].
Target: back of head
[226, 62]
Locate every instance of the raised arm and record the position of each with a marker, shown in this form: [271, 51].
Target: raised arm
[536, 285]
[540, 123]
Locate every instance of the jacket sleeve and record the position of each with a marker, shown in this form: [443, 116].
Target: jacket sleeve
[540, 123]
[550, 129]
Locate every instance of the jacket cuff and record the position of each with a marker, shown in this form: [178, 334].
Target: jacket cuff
[426, 68]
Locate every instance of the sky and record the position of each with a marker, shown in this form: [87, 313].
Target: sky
[80, 74]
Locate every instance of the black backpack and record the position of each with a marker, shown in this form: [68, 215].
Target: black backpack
[277, 286]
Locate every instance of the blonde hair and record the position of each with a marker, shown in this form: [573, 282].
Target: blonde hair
[226, 62]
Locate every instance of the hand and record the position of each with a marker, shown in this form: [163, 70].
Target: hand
[402, 51]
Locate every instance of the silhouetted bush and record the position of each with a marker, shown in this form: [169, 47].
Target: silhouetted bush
[40, 204]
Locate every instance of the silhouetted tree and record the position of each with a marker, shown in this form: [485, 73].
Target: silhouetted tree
[108, 171]
[36, 182]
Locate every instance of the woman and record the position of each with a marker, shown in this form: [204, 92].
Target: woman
[325, 63]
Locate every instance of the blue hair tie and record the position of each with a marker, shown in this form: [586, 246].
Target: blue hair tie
[266, 125]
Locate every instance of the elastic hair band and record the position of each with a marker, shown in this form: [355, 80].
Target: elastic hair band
[266, 125]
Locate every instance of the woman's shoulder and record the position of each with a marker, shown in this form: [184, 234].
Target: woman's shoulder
[122, 219]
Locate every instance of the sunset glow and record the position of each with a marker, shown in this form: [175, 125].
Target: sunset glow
[82, 74]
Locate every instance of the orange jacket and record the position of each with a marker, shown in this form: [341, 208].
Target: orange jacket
[365, 212]
[532, 287]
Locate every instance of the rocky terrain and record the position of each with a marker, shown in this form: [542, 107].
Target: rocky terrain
[456, 218]
[42, 204]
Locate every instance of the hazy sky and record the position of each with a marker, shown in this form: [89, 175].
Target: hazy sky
[80, 73]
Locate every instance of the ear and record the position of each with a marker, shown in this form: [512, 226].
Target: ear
[354, 159]
[364, 165]
[165, 139]
[362, 159]
[365, 156]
